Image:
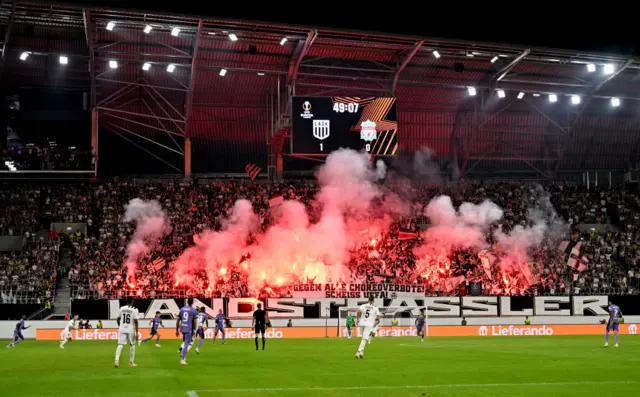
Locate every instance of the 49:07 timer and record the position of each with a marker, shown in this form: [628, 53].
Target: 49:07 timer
[345, 107]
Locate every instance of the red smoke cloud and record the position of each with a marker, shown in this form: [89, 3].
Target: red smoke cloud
[349, 209]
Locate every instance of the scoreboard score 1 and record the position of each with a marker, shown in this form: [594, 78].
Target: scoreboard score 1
[321, 125]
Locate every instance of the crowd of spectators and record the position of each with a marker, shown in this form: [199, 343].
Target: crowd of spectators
[612, 246]
[29, 276]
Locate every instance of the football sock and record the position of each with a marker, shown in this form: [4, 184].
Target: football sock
[363, 343]
[119, 351]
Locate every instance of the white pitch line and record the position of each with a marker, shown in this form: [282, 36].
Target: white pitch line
[194, 393]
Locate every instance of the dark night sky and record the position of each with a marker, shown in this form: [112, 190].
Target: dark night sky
[594, 27]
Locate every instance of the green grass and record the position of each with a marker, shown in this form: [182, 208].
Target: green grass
[483, 366]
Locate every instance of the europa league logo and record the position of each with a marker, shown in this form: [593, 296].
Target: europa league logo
[306, 107]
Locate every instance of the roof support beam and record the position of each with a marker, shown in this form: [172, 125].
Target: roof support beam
[7, 33]
[88, 29]
[597, 88]
[404, 64]
[502, 73]
[299, 53]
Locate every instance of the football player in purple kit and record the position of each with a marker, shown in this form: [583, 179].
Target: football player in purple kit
[186, 325]
[203, 324]
[155, 323]
[17, 332]
[220, 319]
[420, 326]
[613, 324]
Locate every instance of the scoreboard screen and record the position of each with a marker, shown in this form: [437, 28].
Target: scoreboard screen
[321, 125]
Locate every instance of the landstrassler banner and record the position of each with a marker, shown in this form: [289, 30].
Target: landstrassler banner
[340, 290]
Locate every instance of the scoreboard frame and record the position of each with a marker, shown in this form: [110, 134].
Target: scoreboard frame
[363, 123]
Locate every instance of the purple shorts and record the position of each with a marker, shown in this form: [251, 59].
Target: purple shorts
[613, 326]
[200, 333]
[17, 334]
[187, 337]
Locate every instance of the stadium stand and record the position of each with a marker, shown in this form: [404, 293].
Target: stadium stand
[213, 98]
[97, 267]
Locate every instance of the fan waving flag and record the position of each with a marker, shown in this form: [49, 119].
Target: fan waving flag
[407, 236]
[252, 170]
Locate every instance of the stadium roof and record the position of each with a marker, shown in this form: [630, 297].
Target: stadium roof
[182, 90]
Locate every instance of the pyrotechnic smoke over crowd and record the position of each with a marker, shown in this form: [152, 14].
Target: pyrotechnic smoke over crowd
[151, 225]
[354, 205]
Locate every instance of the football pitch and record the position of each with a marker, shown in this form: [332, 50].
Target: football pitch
[481, 366]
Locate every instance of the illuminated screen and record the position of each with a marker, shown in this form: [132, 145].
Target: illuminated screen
[321, 125]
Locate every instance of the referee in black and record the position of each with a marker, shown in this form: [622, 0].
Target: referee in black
[259, 324]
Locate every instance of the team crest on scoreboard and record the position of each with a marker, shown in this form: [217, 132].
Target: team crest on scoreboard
[321, 129]
[306, 110]
[368, 131]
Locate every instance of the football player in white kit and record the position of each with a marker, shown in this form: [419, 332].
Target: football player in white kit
[128, 332]
[368, 318]
[65, 335]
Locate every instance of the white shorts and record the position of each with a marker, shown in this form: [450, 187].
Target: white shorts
[374, 330]
[65, 334]
[126, 337]
[366, 332]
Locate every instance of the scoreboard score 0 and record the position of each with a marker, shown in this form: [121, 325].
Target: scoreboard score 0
[321, 125]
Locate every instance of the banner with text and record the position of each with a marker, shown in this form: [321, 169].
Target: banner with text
[321, 332]
[312, 308]
[340, 290]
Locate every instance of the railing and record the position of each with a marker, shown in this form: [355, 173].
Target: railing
[92, 295]
[11, 296]
[40, 314]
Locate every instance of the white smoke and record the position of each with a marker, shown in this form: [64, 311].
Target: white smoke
[151, 225]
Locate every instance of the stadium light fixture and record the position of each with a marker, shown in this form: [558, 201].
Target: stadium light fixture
[113, 64]
[501, 94]
[615, 102]
[223, 72]
[24, 56]
[283, 41]
[536, 95]
[175, 31]
[553, 98]
[111, 25]
[608, 68]
[591, 67]
[233, 37]
[521, 95]
[260, 74]
[494, 59]
[472, 91]
[147, 29]
[436, 54]
[575, 99]
[146, 66]
[63, 60]
[171, 68]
